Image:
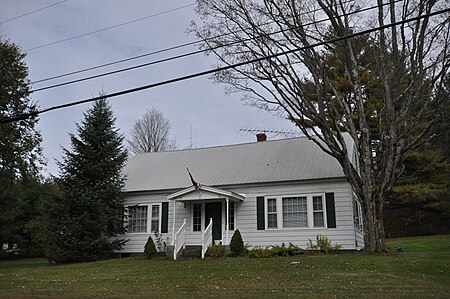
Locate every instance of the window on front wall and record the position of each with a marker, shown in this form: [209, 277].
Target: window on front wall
[357, 217]
[137, 219]
[155, 218]
[272, 213]
[231, 215]
[197, 218]
[318, 213]
[295, 212]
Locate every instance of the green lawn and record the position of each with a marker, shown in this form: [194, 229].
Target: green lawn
[421, 270]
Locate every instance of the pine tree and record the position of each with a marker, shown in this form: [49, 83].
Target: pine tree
[150, 249]
[89, 214]
[236, 244]
[20, 151]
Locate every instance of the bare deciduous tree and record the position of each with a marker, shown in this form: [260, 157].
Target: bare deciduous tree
[151, 134]
[384, 89]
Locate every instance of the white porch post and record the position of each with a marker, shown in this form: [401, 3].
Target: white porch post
[227, 223]
[173, 226]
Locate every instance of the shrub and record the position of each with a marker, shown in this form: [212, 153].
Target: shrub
[160, 243]
[259, 252]
[236, 244]
[323, 244]
[246, 249]
[216, 251]
[286, 251]
[149, 249]
[277, 250]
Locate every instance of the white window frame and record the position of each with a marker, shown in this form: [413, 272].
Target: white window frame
[129, 218]
[358, 216]
[283, 198]
[309, 207]
[266, 211]
[150, 216]
[323, 211]
[202, 213]
[234, 215]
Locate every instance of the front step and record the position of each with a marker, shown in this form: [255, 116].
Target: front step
[192, 251]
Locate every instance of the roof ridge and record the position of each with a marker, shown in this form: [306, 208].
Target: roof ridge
[224, 145]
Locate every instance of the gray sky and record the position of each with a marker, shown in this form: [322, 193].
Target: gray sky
[198, 103]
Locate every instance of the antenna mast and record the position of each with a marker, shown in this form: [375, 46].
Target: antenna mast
[274, 133]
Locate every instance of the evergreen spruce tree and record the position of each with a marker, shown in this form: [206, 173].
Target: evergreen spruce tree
[236, 244]
[89, 214]
[150, 249]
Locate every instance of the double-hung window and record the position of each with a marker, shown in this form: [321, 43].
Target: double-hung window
[318, 212]
[137, 219]
[272, 221]
[156, 216]
[357, 215]
[295, 211]
[231, 215]
[197, 217]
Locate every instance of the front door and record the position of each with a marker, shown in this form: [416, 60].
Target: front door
[214, 211]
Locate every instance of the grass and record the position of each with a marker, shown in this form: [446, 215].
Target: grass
[422, 270]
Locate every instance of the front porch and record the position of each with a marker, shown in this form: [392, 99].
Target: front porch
[208, 217]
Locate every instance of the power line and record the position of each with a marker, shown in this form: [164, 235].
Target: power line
[23, 116]
[119, 70]
[108, 28]
[161, 51]
[32, 12]
[193, 52]
[116, 62]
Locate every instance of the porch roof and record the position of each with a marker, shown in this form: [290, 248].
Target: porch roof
[205, 193]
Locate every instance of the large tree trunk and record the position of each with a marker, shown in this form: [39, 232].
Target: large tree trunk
[374, 238]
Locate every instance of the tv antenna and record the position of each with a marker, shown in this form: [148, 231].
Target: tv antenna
[273, 133]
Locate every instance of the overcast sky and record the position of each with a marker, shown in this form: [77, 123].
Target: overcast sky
[198, 103]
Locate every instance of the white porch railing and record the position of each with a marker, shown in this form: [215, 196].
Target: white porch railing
[207, 238]
[179, 240]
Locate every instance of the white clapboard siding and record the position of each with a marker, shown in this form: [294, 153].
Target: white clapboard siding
[343, 233]
[246, 214]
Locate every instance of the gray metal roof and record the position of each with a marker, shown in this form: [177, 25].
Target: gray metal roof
[259, 162]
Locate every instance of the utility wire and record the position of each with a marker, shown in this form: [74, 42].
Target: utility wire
[108, 28]
[23, 116]
[117, 61]
[160, 51]
[31, 12]
[194, 52]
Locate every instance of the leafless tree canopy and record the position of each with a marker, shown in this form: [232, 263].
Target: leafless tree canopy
[151, 134]
[384, 89]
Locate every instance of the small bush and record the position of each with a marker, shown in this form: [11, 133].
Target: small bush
[160, 243]
[246, 249]
[287, 251]
[216, 251]
[259, 252]
[323, 245]
[277, 250]
[236, 244]
[149, 249]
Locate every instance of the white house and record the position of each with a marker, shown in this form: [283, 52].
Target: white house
[274, 192]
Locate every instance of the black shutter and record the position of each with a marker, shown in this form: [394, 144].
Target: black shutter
[260, 220]
[331, 211]
[165, 218]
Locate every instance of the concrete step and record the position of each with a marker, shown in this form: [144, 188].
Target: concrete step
[192, 251]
